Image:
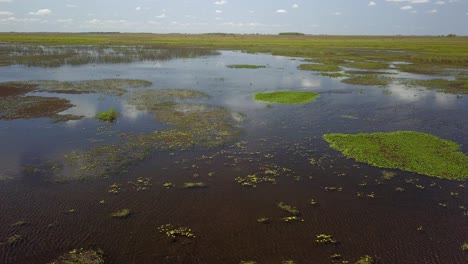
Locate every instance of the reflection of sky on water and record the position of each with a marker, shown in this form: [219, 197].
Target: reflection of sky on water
[393, 108]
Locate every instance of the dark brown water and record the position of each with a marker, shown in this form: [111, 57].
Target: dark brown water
[223, 216]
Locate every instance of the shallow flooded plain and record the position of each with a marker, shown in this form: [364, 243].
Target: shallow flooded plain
[194, 170]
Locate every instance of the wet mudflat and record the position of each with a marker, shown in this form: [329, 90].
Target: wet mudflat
[194, 170]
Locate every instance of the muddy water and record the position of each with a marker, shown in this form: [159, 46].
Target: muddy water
[223, 216]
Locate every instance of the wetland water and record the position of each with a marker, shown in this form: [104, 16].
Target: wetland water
[51, 205]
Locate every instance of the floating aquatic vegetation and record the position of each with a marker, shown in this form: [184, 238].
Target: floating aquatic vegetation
[253, 180]
[168, 185]
[291, 218]
[405, 150]
[349, 117]
[146, 100]
[108, 116]
[176, 232]
[320, 67]
[81, 256]
[194, 185]
[325, 239]
[388, 175]
[286, 97]
[366, 260]
[245, 66]
[140, 184]
[114, 188]
[248, 262]
[19, 223]
[333, 189]
[313, 202]
[11, 240]
[288, 208]
[121, 214]
[263, 220]
[336, 256]
[464, 247]
[375, 80]
[288, 262]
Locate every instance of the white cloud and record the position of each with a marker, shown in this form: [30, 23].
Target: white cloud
[17, 20]
[163, 15]
[406, 7]
[372, 3]
[295, 6]
[219, 11]
[222, 2]
[433, 11]
[337, 13]
[41, 12]
[281, 11]
[6, 1]
[6, 13]
[71, 6]
[138, 8]
[68, 20]
[440, 3]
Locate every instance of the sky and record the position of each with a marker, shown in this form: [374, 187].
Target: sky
[332, 17]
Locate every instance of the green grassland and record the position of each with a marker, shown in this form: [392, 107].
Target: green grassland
[286, 97]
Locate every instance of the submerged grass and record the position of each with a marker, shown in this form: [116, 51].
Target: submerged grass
[369, 80]
[405, 150]
[286, 97]
[245, 66]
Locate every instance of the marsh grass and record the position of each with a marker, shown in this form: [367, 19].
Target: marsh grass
[286, 97]
[459, 85]
[245, 66]
[374, 80]
[367, 65]
[405, 150]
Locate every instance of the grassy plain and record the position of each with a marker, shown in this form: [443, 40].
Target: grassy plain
[430, 55]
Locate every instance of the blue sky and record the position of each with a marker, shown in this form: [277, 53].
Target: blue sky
[342, 17]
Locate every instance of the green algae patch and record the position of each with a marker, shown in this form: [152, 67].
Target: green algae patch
[405, 150]
[375, 80]
[245, 66]
[286, 97]
[320, 67]
[459, 85]
[122, 214]
[80, 256]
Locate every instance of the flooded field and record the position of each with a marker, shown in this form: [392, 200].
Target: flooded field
[192, 169]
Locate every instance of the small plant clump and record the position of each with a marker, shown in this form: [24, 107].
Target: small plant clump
[81, 256]
[291, 219]
[173, 232]
[388, 175]
[320, 67]
[248, 262]
[14, 239]
[109, 116]
[286, 97]
[122, 214]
